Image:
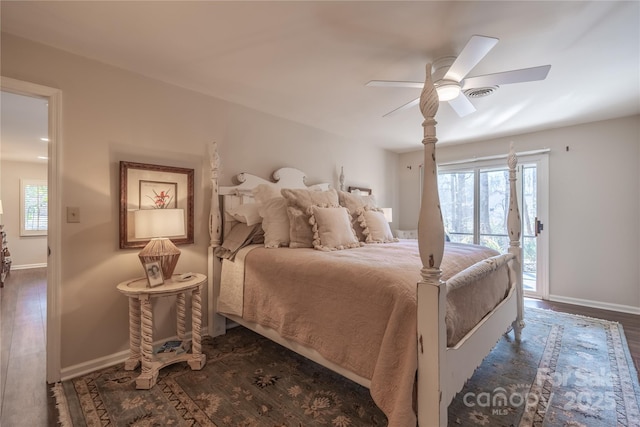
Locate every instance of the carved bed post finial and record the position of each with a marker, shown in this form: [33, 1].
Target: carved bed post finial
[431, 291]
[215, 221]
[430, 226]
[515, 226]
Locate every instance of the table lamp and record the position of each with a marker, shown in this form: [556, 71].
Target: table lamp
[159, 225]
[388, 214]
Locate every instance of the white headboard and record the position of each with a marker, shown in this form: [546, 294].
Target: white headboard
[242, 193]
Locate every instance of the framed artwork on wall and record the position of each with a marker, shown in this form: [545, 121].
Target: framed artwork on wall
[360, 190]
[145, 186]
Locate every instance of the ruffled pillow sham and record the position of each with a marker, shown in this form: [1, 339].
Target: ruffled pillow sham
[375, 227]
[354, 202]
[331, 228]
[298, 203]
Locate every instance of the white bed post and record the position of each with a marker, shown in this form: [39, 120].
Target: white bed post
[216, 323]
[515, 225]
[431, 292]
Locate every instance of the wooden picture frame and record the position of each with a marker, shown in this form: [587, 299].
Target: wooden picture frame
[360, 190]
[143, 186]
[153, 270]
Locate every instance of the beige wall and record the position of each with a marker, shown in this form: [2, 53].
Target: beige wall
[111, 115]
[26, 251]
[594, 204]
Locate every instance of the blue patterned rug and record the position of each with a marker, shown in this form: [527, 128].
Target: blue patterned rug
[567, 371]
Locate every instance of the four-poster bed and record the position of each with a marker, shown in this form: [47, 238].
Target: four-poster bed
[443, 363]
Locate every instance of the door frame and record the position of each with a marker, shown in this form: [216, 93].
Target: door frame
[54, 98]
[541, 159]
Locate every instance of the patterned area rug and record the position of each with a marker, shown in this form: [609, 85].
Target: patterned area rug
[567, 371]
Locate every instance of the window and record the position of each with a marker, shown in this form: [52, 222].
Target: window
[33, 207]
[474, 199]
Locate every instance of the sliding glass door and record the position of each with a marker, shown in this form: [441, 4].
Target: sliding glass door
[474, 197]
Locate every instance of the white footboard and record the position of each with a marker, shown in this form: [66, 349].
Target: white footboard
[441, 371]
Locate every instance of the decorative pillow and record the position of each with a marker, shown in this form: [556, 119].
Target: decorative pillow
[332, 228]
[374, 225]
[264, 192]
[272, 207]
[353, 202]
[247, 213]
[300, 200]
[275, 222]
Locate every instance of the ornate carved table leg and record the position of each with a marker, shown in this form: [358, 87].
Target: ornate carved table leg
[197, 360]
[134, 335]
[181, 315]
[149, 375]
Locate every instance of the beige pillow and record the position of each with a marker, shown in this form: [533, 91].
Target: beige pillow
[275, 222]
[375, 227]
[272, 207]
[300, 200]
[354, 202]
[332, 228]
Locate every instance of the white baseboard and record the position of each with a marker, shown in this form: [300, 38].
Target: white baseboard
[106, 361]
[596, 304]
[27, 266]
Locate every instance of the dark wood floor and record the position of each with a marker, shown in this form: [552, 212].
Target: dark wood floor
[25, 398]
[24, 395]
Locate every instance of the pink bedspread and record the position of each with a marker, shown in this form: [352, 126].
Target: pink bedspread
[356, 307]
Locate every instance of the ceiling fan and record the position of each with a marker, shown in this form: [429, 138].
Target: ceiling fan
[452, 84]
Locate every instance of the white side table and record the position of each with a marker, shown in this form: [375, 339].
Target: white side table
[141, 325]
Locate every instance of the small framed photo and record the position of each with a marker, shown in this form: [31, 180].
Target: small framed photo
[154, 273]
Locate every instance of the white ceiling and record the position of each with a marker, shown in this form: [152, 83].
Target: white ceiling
[309, 61]
[23, 123]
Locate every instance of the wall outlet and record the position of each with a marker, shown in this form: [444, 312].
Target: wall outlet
[73, 214]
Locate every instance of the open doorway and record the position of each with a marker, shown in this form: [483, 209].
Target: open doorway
[24, 193]
[52, 99]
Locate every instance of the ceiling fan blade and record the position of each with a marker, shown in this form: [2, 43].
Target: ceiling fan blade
[462, 106]
[476, 49]
[507, 77]
[391, 83]
[403, 107]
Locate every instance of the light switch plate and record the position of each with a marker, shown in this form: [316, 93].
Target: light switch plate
[73, 214]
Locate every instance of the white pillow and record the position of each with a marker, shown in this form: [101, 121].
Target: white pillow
[264, 192]
[332, 228]
[374, 225]
[247, 213]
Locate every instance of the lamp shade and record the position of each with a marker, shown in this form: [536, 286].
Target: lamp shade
[1, 212]
[388, 214]
[158, 223]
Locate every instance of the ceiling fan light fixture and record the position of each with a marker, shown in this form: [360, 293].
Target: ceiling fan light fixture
[448, 90]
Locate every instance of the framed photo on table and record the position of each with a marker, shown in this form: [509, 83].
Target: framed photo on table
[145, 186]
[154, 273]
